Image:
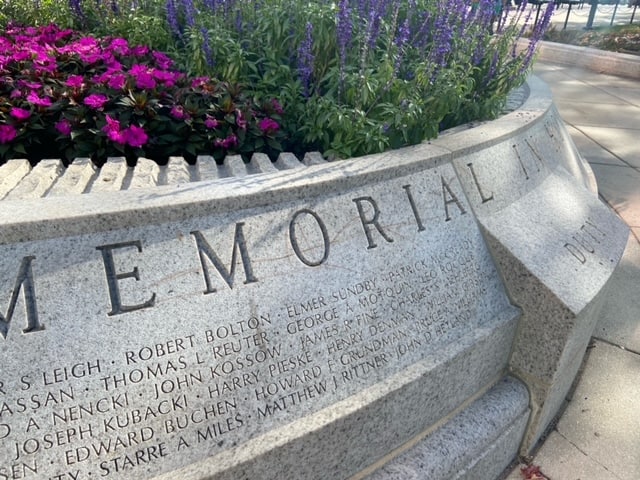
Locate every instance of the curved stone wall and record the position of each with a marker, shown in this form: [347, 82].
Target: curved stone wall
[420, 311]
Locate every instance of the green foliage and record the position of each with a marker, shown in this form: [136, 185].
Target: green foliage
[390, 74]
[34, 13]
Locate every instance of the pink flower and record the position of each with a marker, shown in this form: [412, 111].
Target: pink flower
[64, 127]
[177, 112]
[29, 85]
[137, 69]
[112, 129]
[211, 122]
[199, 82]
[95, 100]
[20, 114]
[87, 43]
[145, 80]
[230, 141]
[90, 58]
[268, 125]
[74, 81]
[21, 56]
[112, 124]
[34, 99]
[166, 77]
[7, 133]
[117, 81]
[119, 46]
[113, 64]
[277, 107]
[139, 50]
[162, 60]
[116, 136]
[135, 136]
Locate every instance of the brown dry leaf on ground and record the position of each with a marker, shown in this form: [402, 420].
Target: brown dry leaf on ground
[620, 38]
[532, 472]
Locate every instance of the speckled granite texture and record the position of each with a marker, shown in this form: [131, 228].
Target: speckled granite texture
[298, 319]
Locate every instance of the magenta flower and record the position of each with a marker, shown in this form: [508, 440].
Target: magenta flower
[112, 129]
[199, 82]
[86, 44]
[117, 81]
[162, 60]
[38, 101]
[211, 122]
[20, 114]
[166, 77]
[139, 50]
[21, 56]
[75, 81]
[29, 85]
[7, 133]
[177, 112]
[95, 100]
[113, 64]
[90, 58]
[277, 107]
[119, 46]
[137, 69]
[145, 80]
[230, 141]
[268, 125]
[135, 136]
[112, 124]
[64, 127]
[116, 136]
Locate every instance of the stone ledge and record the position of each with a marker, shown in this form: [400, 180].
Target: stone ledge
[214, 190]
[496, 421]
[622, 64]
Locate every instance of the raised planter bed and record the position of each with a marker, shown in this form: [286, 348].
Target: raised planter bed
[420, 311]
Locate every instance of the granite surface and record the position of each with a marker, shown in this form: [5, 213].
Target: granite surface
[140, 350]
[255, 319]
[496, 422]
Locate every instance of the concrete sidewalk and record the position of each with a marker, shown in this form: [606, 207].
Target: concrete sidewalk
[598, 435]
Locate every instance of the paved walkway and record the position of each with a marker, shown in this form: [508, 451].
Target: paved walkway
[598, 435]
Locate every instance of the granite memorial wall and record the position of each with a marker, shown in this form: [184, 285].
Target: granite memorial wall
[322, 321]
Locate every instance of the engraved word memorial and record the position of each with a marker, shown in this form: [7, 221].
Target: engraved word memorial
[420, 310]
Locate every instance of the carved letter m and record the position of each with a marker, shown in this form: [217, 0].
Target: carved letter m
[24, 281]
[239, 246]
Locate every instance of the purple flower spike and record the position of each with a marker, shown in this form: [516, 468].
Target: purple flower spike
[172, 18]
[306, 60]
[344, 30]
